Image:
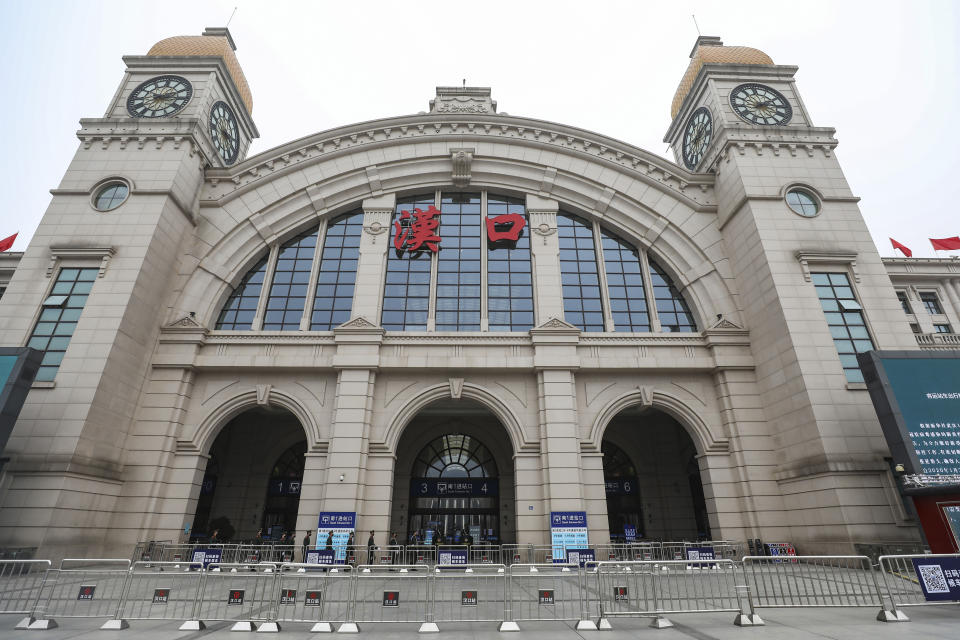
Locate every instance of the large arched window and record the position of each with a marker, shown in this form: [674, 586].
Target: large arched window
[290, 304]
[481, 281]
[628, 291]
[455, 456]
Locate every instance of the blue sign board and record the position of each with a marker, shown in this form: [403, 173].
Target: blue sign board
[917, 398]
[620, 486]
[629, 532]
[284, 486]
[453, 488]
[452, 557]
[339, 524]
[701, 553]
[568, 519]
[338, 520]
[321, 556]
[206, 557]
[939, 577]
[580, 556]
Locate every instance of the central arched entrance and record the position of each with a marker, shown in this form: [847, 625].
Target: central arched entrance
[454, 477]
[454, 491]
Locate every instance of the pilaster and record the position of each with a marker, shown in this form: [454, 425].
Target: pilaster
[545, 254]
[373, 256]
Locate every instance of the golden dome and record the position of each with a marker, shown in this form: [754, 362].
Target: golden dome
[711, 51]
[208, 45]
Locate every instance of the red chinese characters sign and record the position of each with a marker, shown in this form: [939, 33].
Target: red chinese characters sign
[505, 227]
[412, 231]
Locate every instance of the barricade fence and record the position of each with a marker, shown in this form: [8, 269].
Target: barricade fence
[81, 588]
[160, 591]
[661, 587]
[462, 591]
[812, 581]
[899, 580]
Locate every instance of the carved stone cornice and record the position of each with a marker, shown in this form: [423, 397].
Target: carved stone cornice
[224, 184]
[60, 253]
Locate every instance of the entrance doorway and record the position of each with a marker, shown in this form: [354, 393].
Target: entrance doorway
[454, 492]
[253, 478]
[454, 477]
[652, 477]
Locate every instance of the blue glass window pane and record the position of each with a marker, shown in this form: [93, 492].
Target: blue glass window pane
[848, 328]
[58, 322]
[670, 303]
[338, 272]
[407, 283]
[578, 269]
[245, 296]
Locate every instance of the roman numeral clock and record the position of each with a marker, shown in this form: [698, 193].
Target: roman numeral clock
[759, 104]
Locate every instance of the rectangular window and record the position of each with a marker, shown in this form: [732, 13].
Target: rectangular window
[582, 301]
[338, 273]
[628, 300]
[58, 320]
[902, 297]
[845, 319]
[406, 295]
[509, 277]
[291, 278]
[914, 327]
[458, 268]
[942, 328]
[931, 302]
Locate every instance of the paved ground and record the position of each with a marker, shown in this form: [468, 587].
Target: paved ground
[933, 622]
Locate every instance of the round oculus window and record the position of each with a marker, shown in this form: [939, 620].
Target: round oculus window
[802, 202]
[110, 196]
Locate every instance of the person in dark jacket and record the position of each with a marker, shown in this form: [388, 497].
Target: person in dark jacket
[371, 548]
[306, 545]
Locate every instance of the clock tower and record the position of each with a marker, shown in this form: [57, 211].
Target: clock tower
[122, 228]
[806, 270]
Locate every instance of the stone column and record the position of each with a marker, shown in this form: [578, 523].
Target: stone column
[373, 257]
[345, 489]
[555, 344]
[545, 254]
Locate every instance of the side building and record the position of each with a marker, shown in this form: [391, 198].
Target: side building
[458, 320]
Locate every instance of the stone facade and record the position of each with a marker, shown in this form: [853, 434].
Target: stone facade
[114, 450]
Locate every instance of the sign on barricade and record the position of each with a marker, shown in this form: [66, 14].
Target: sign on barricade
[914, 580]
[545, 591]
[239, 592]
[160, 591]
[472, 593]
[81, 588]
[400, 593]
[321, 594]
[452, 557]
[655, 589]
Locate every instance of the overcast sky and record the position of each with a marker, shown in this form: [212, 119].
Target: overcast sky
[885, 74]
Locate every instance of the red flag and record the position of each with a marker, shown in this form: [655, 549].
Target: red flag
[6, 243]
[946, 244]
[904, 249]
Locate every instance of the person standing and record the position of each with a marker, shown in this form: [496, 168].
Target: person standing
[351, 549]
[371, 548]
[394, 548]
[306, 545]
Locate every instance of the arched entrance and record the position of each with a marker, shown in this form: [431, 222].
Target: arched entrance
[253, 477]
[652, 478]
[454, 477]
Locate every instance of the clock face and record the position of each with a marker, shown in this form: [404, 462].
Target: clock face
[759, 104]
[159, 97]
[696, 137]
[224, 132]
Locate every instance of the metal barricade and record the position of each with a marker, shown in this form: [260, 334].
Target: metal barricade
[645, 551]
[613, 552]
[546, 591]
[159, 591]
[81, 588]
[674, 550]
[485, 554]
[317, 593]
[516, 554]
[280, 553]
[387, 555]
[812, 581]
[475, 593]
[177, 552]
[726, 549]
[399, 593]
[21, 582]
[420, 554]
[900, 582]
[238, 592]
